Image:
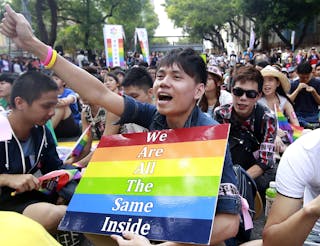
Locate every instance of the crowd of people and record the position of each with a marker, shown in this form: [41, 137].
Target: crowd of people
[177, 90]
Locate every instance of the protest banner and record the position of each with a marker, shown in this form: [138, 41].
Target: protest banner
[141, 34]
[163, 185]
[113, 42]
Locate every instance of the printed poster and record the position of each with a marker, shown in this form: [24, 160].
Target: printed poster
[142, 35]
[113, 43]
[163, 185]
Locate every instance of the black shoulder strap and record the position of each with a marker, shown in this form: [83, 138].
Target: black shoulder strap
[258, 114]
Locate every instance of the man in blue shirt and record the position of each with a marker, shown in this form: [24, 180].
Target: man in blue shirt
[305, 94]
[179, 84]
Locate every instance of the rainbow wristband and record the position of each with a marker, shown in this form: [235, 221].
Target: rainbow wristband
[52, 60]
[48, 58]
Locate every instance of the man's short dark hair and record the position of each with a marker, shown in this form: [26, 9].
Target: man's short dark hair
[139, 77]
[8, 77]
[262, 64]
[30, 86]
[304, 68]
[189, 61]
[247, 73]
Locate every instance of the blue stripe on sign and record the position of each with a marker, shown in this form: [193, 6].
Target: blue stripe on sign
[162, 229]
[158, 206]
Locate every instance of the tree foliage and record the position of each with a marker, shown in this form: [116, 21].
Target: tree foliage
[78, 24]
[206, 19]
[277, 16]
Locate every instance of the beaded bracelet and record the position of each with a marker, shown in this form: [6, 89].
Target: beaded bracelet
[48, 58]
[52, 60]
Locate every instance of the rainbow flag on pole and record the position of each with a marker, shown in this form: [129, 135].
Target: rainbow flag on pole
[294, 132]
[163, 185]
[80, 144]
[283, 122]
[56, 180]
[297, 131]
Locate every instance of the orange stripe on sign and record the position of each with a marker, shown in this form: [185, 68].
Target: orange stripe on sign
[210, 148]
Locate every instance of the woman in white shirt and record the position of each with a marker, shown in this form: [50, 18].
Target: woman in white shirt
[274, 95]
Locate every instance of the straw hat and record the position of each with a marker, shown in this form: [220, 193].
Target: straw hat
[215, 71]
[273, 72]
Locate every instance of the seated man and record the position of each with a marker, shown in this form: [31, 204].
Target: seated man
[180, 83]
[252, 133]
[138, 85]
[297, 182]
[305, 94]
[32, 151]
[253, 127]
[67, 115]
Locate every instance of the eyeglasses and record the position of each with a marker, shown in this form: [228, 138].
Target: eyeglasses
[237, 91]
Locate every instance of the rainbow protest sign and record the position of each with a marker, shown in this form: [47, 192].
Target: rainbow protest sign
[163, 185]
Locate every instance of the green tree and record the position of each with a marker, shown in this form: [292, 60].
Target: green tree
[139, 13]
[203, 19]
[79, 23]
[270, 15]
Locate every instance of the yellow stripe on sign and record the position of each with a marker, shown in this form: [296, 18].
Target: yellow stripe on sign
[210, 166]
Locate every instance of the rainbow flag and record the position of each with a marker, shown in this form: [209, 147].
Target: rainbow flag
[283, 122]
[56, 180]
[294, 132]
[297, 131]
[162, 184]
[79, 145]
[82, 142]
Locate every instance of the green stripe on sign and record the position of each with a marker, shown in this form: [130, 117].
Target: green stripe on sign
[159, 186]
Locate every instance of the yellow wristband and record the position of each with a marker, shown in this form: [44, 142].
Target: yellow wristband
[52, 60]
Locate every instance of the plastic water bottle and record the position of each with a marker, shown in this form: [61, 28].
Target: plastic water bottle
[271, 193]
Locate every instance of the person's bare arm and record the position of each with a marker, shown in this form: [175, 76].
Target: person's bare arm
[295, 93]
[20, 182]
[110, 128]
[314, 93]
[255, 171]
[15, 26]
[288, 109]
[288, 223]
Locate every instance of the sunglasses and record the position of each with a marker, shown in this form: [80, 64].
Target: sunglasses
[249, 93]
